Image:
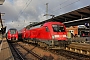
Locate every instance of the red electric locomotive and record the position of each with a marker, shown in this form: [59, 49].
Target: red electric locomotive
[12, 35]
[50, 33]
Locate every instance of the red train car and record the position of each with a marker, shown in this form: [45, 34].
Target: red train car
[50, 33]
[85, 33]
[24, 34]
[12, 35]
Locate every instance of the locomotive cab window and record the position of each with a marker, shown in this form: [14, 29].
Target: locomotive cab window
[47, 29]
[12, 31]
[58, 28]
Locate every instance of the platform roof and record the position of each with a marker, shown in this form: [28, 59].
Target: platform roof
[73, 15]
[1, 2]
[76, 17]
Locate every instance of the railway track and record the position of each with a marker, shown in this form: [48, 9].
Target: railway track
[31, 52]
[75, 51]
[21, 55]
[81, 48]
[66, 53]
[70, 55]
[41, 52]
[15, 52]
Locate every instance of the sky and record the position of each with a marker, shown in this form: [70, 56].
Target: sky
[19, 13]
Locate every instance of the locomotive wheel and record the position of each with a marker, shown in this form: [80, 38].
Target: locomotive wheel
[63, 43]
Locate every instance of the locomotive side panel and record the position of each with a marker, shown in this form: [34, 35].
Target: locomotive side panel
[23, 32]
[33, 33]
[27, 34]
[43, 34]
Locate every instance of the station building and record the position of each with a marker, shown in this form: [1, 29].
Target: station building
[78, 31]
[72, 31]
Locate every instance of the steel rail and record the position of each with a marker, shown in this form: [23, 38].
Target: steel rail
[31, 52]
[17, 52]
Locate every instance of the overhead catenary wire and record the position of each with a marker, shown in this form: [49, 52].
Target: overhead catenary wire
[47, 14]
[55, 7]
[20, 11]
[24, 8]
[65, 6]
[29, 1]
[58, 5]
[61, 4]
[52, 9]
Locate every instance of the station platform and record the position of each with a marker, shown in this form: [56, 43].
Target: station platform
[5, 52]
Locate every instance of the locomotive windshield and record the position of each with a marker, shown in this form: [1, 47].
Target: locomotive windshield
[12, 31]
[58, 28]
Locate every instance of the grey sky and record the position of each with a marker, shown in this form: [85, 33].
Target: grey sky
[18, 13]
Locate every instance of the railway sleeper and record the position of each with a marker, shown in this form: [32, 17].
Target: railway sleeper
[80, 51]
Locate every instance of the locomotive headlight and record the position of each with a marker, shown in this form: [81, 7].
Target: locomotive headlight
[64, 36]
[56, 36]
[53, 37]
[9, 34]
